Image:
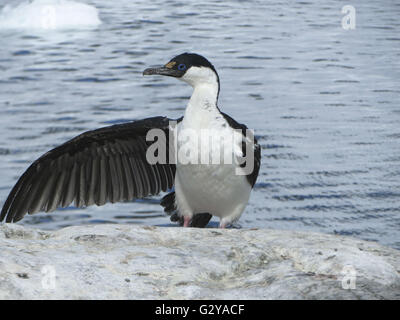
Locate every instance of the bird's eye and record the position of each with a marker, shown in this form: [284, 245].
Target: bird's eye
[182, 67]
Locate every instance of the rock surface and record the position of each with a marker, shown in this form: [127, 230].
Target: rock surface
[137, 262]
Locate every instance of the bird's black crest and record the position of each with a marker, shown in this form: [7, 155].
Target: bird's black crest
[191, 60]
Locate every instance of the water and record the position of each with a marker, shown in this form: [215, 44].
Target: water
[323, 101]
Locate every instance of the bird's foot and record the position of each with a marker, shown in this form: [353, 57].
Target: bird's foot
[186, 221]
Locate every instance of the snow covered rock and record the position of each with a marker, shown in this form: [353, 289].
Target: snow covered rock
[143, 262]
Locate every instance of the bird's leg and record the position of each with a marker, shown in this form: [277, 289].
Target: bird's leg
[222, 225]
[186, 221]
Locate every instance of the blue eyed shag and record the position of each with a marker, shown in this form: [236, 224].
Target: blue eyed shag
[110, 165]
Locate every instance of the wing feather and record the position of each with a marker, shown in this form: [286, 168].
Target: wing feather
[104, 165]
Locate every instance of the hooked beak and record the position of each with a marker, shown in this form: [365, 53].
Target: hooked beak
[164, 71]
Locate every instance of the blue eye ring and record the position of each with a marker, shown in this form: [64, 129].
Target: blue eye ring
[182, 67]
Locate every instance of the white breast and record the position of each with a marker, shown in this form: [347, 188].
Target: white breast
[206, 187]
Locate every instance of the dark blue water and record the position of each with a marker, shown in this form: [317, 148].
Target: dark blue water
[323, 101]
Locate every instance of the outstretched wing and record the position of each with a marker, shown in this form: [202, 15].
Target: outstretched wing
[104, 165]
[251, 177]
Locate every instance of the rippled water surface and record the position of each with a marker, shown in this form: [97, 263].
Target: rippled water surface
[323, 101]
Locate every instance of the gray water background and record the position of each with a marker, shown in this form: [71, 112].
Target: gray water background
[323, 101]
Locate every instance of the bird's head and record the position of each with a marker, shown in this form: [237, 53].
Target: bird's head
[189, 67]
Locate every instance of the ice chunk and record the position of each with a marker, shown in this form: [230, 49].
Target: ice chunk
[49, 15]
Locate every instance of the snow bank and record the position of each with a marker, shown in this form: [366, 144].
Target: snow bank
[49, 15]
[138, 262]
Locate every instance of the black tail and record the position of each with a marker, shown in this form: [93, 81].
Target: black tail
[200, 220]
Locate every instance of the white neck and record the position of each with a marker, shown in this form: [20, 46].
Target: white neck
[205, 89]
[204, 96]
[202, 110]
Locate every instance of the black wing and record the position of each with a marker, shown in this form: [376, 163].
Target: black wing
[252, 177]
[104, 165]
